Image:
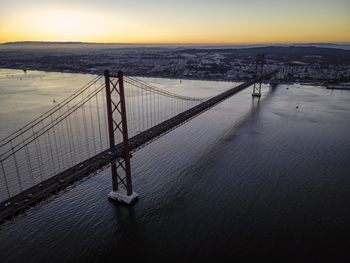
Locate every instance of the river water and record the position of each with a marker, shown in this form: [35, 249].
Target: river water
[244, 180]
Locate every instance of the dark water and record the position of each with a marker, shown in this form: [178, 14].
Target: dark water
[242, 181]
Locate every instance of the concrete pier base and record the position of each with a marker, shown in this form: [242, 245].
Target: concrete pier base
[121, 196]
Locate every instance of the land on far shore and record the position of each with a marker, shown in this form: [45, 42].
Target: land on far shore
[309, 63]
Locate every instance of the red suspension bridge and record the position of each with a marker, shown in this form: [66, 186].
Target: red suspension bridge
[98, 126]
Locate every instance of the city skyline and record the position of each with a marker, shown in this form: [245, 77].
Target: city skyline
[176, 22]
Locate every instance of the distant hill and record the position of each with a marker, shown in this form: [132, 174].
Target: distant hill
[67, 45]
[71, 44]
[42, 43]
[282, 53]
[39, 45]
[325, 45]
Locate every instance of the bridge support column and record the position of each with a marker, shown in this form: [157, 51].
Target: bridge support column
[258, 72]
[116, 113]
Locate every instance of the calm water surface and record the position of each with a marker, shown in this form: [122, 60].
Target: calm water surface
[243, 180]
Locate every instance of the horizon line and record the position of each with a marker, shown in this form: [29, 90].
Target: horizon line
[173, 44]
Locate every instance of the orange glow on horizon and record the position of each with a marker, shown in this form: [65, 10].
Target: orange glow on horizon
[86, 25]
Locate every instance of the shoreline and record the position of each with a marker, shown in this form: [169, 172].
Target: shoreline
[284, 82]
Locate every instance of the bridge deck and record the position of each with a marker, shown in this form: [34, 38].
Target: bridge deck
[38, 193]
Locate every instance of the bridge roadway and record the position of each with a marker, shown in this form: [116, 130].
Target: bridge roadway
[42, 191]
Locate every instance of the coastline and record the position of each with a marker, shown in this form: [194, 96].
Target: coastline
[336, 86]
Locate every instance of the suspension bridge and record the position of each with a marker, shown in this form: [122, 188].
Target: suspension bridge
[98, 126]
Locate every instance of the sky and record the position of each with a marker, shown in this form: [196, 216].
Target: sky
[176, 21]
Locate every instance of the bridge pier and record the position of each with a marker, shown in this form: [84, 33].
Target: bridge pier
[274, 85]
[121, 186]
[256, 94]
[121, 195]
[258, 71]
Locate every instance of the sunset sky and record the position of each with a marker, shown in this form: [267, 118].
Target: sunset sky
[177, 21]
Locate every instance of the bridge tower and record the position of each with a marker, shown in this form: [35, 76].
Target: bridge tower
[258, 74]
[116, 117]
